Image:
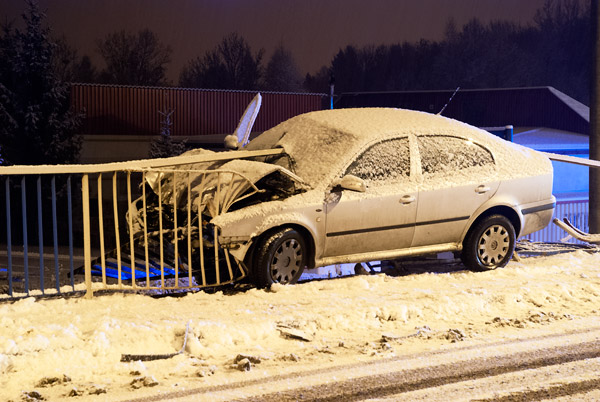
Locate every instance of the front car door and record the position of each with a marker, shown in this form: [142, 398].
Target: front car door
[458, 176]
[382, 217]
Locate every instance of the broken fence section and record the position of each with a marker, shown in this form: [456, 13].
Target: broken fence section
[140, 225]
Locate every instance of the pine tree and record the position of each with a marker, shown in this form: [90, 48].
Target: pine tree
[36, 123]
[164, 146]
[282, 72]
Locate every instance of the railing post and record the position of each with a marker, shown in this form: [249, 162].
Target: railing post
[87, 253]
[25, 239]
[9, 238]
[40, 231]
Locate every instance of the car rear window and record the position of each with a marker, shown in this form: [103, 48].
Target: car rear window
[448, 154]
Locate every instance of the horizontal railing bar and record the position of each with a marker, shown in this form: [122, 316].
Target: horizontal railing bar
[136, 164]
[572, 159]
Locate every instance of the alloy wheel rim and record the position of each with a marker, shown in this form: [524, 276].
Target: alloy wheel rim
[286, 261]
[493, 245]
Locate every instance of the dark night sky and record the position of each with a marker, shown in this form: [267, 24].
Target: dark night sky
[314, 30]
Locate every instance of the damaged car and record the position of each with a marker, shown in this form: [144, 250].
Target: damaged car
[349, 186]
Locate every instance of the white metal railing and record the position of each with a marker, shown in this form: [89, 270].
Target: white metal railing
[159, 236]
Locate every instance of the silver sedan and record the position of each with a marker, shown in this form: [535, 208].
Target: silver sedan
[375, 183]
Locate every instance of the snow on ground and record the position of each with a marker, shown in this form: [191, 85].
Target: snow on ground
[60, 347]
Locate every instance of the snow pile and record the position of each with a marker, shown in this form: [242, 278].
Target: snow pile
[63, 347]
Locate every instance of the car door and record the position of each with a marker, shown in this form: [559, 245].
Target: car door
[458, 176]
[383, 216]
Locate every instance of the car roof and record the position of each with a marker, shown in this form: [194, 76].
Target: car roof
[321, 142]
[364, 122]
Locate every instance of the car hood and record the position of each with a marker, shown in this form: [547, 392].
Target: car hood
[215, 186]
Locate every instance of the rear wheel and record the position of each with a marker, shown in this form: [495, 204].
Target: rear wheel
[280, 258]
[490, 244]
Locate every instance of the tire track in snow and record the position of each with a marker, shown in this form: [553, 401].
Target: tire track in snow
[468, 362]
[552, 392]
[385, 385]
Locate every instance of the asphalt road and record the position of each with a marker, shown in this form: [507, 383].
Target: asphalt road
[563, 366]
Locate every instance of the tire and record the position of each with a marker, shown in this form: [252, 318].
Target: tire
[280, 258]
[489, 244]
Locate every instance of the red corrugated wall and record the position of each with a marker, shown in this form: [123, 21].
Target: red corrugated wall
[135, 110]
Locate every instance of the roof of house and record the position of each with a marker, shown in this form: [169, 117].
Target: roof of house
[524, 107]
[134, 110]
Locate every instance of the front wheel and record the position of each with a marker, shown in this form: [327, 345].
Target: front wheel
[281, 258]
[490, 244]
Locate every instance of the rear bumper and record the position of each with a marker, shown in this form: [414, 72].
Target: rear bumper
[537, 215]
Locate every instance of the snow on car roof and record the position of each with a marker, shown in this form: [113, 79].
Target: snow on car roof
[321, 142]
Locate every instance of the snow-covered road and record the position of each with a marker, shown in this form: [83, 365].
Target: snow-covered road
[61, 347]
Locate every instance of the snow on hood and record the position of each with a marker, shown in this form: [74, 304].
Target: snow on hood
[234, 178]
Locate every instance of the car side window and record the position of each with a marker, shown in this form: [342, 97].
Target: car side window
[385, 161]
[445, 154]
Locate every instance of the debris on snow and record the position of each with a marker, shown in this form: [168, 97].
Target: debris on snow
[387, 337]
[244, 362]
[52, 381]
[506, 322]
[294, 333]
[424, 332]
[252, 359]
[325, 349]
[31, 396]
[455, 335]
[131, 357]
[75, 392]
[386, 346]
[292, 357]
[206, 371]
[96, 389]
[139, 382]
[243, 365]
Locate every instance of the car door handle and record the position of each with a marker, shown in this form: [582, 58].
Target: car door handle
[407, 199]
[482, 189]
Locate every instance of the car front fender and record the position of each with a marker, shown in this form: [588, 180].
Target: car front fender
[240, 233]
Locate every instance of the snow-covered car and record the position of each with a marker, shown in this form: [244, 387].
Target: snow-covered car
[357, 185]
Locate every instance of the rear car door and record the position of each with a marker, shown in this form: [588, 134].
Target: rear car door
[458, 176]
[382, 217]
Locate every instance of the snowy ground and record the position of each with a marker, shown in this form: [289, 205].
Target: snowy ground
[71, 348]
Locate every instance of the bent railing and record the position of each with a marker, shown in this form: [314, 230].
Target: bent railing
[139, 225]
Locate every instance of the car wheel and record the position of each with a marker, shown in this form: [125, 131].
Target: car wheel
[490, 244]
[281, 258]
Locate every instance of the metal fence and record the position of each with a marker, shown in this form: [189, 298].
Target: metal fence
[576, 211]
[140, 225]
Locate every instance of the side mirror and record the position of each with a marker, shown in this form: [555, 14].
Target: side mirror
[352, 183]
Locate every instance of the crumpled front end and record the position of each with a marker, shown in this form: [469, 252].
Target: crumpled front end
[172, 218]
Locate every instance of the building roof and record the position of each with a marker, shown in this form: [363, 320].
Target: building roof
[133, 110]
[523, 107]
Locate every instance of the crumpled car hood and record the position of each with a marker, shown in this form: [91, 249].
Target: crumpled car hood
[215, 186]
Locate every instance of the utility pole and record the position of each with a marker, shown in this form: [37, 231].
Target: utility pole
[594, 217]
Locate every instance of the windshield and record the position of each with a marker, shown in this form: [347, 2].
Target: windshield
[314, 150]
